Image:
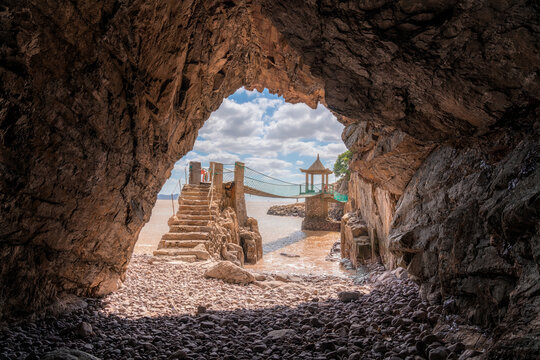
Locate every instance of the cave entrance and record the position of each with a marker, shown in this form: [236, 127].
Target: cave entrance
[274, 139]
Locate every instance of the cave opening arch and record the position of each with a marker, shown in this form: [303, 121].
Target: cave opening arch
[98, 100]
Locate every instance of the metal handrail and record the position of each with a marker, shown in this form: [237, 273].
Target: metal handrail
[211, 192]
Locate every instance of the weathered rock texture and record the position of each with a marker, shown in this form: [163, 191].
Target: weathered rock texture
[229, 272]
[356, 245]
[474, 233]
[296, 209]
[98, 99]
[251, 241]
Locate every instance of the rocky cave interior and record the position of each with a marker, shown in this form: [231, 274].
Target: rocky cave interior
[440, 102]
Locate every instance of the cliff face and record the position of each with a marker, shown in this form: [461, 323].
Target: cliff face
[99, 99]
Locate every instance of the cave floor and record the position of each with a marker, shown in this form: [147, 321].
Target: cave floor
[157, 314]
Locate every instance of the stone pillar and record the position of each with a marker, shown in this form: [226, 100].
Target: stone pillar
[216, 171]
[194, 172]
[239, 198]
[316, 214]
[316, 207]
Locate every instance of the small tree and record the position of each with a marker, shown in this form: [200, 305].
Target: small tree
[341, 166]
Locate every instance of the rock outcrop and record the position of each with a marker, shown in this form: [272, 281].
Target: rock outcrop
[251, 241]
[356, 244]
[99, 99]
[229, 272]
[335, 210]
[473, 235]
[297, 209]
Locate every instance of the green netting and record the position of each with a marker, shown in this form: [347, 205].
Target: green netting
[340, 197]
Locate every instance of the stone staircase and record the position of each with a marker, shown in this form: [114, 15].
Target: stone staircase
[189, 229]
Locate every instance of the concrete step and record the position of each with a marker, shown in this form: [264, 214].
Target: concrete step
[188, 201]
[186, 236]
[194, 217]
[189, 228]
[196, 195]
[184, 222]
[199, 253]
[193, 194]
[193, 212]
[196, 189]
[166, 244]
[193, 207]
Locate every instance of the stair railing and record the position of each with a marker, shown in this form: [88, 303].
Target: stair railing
[179, 186]
[211, 192]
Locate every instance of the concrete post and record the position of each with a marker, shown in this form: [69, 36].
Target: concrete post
[239, 198]
[216, 171]
[316, 208]
[194, 173]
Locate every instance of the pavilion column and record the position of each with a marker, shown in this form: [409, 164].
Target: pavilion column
[311, 182]
[327, 183]
[307, 183]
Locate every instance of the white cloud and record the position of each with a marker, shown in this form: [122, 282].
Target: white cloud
[299, 121]
[234, 120]
[262, 131]
[249, 93]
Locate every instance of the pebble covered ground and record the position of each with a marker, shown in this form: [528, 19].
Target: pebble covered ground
[170, 311]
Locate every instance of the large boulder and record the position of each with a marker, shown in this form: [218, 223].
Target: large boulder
[68, 354]
[229, 272]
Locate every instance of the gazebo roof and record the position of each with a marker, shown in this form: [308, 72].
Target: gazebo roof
[317, 168]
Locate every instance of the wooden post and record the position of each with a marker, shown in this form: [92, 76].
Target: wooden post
[307, 183]
[311, 182]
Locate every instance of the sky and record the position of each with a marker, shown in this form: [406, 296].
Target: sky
[267, 134]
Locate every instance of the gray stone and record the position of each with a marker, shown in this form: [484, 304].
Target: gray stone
[84, 330]
[281, 333]
[68, 354]
[439, 353]
[348, 296]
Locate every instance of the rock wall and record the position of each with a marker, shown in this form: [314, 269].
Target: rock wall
[99, 99]
[229, 240]
[467, 228]
[355, 243]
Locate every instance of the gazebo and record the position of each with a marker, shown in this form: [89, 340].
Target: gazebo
[315, 169]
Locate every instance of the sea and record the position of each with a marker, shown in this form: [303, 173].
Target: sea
[287, 249]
